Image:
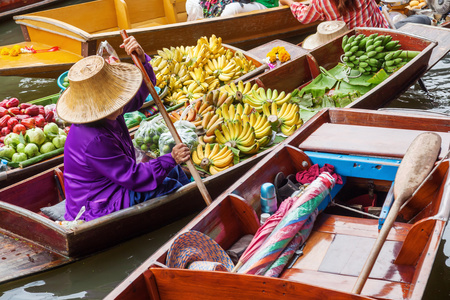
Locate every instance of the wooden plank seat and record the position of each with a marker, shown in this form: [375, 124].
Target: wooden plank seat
[337, 249]
[364, 140]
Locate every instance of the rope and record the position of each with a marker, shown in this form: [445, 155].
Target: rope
[352, 209]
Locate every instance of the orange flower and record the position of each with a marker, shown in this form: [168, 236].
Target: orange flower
[280, 53]
[5, 51]
[284, 56]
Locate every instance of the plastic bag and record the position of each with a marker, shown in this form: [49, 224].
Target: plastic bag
[133, 118]
[186, 131]
[194, 10]
[106, 51]
[148, 134]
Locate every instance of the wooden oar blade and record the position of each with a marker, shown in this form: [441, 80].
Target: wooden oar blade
[419, 161]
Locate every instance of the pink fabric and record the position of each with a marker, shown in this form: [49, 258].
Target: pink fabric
[314, 171]
[366, 13]
[266, 229]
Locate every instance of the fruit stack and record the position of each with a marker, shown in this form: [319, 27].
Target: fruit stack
[191, 72]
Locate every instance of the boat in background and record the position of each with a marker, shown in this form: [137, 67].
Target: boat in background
[366, 148]
[14, 7]
[78, 30]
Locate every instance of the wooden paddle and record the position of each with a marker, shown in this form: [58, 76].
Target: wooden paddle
[414, 168]
[169, 123]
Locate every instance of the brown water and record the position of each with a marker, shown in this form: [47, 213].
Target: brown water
[96, 276]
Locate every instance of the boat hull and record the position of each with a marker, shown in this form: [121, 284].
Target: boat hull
[79, 38]
[405, 261]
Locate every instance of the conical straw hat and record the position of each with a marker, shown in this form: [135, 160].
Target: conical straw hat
[97, 89]
[326, 31]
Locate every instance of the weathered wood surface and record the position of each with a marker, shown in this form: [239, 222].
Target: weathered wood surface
[18, 257]
[208, 285]
[358, 139]
[301, 70]
[333, 235]
[20, 205]
[293, 50]
[14, 7]
[78, 31]
[439, 34]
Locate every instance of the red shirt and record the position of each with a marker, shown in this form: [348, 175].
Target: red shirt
[366, 14]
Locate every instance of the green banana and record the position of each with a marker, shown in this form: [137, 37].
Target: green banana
[344, 40]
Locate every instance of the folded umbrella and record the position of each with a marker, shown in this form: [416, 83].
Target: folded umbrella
[264, 231]
[288, 227]
[278, 265]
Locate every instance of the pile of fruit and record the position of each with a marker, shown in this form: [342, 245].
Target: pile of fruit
[416, 4]
[232, 122]
[191, 72]
[36, 141]
[17, 117]
[369, 54]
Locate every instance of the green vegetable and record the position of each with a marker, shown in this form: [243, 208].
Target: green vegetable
[35, 135]
[12, 139]
[47, 147]
[62, 132]
[7, 152]
[31, 150]
[59, 141]
[20, 148]
[19, 157]
[51, 130]
[38, 158]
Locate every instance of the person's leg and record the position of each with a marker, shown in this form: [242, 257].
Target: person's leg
[174, 180]
[420, 19]
[236, 8]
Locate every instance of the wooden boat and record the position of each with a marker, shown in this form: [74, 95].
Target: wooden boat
[15, 7]
[304, 68]
[78, 30]
[40, 244]
[300, 71]
[339, 243]
[438, 34]
[17, 174]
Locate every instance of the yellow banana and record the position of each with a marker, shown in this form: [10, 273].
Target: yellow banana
[213, 170]
[223, 162]
[250, 149]
[195, 158]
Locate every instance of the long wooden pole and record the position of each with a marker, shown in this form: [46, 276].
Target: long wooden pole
[414, 168]
[172, 129]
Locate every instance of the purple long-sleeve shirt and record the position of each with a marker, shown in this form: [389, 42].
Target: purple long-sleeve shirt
[100, 166]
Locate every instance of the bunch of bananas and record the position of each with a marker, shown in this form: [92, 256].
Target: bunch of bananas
[369, 54]
[176, 98]
[213, 160]
[190, 115]
[231, 112]
[214, 45]
[243, 64]
[287, 118]
[210, 123]
[218, 98]
[239, 91]
[196, 70]
[259, 97]
[221, 68]
[237, 135]
[260, 124]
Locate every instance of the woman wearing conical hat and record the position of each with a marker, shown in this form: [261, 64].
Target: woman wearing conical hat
[100, 168]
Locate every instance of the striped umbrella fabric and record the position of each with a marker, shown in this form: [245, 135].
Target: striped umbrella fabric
[264, 231]
[277, 267]
[288, 227]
